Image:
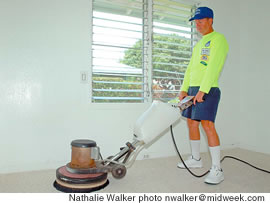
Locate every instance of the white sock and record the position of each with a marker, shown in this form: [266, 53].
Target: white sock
[195, 149]
[215, 154]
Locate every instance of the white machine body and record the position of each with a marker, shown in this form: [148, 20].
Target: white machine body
[149, 126]
[155, 120]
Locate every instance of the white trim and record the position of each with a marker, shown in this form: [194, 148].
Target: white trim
[91, 51]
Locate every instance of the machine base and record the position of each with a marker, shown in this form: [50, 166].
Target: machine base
[79, 183]
[70, 188]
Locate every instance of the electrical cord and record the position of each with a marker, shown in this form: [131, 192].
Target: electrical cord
[199, 176]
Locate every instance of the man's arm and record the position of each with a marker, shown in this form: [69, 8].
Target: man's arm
[186, 81]
[198, 97]
[182, 95]
[217, 58]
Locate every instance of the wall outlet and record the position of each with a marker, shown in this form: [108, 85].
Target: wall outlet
[84, 77]
[146, 156]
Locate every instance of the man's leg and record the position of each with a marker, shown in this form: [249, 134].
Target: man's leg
[193, 127]
[213, 141]
[216, 174]
[210, 130]
[194, 136]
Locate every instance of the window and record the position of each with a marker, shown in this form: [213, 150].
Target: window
[140, 49]
[117, 67]
[172, 47]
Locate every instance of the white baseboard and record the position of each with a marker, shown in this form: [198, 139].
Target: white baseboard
[255, 148]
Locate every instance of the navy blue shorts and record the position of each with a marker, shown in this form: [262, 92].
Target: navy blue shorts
[206, 110]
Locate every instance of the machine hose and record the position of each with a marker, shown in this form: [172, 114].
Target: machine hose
[199, 176]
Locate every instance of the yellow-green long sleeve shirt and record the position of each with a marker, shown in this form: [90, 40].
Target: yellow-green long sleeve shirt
[206, 63]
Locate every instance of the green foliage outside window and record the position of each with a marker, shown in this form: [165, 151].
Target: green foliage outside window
[169, 54]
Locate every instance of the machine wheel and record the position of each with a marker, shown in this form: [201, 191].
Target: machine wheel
[119, 171]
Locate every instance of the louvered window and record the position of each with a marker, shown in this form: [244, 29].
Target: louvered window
[173, 39]
[140, 49]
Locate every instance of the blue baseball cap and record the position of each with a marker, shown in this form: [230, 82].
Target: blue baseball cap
[202, 12]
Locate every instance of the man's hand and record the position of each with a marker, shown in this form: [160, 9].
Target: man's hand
[182, 95]
[198, 97]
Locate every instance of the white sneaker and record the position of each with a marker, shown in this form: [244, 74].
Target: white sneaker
[215, 176]
[191, 163]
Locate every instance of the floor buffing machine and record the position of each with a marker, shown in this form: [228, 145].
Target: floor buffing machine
[87, 171]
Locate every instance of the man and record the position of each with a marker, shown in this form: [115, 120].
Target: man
[201, 81]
